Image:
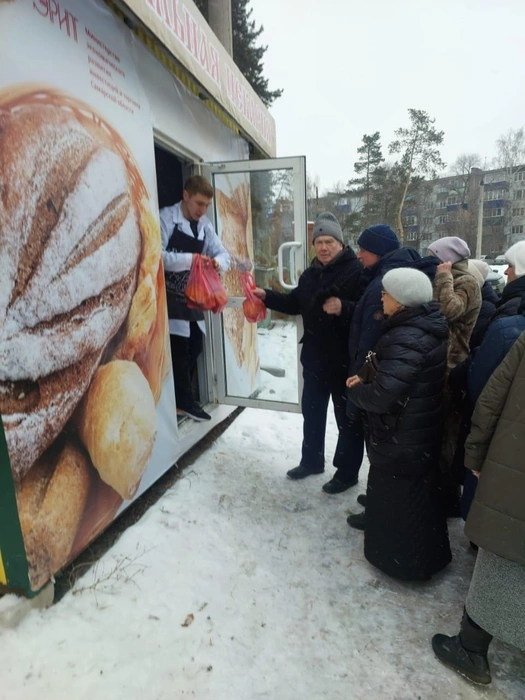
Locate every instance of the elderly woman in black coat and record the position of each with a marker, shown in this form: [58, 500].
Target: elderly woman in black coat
[401, 390]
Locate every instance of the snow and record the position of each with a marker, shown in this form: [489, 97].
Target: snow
[284, 604]
[278, 349]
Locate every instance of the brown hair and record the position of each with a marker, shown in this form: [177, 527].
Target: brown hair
[196, 184]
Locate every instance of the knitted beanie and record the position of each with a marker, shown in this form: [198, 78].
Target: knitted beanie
[450, 249]
[327, 225]
[378, 239]
[481, 266]
[408, 286]
[515, 257]
[476, 272]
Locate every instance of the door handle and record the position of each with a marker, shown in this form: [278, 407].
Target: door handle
[280, 264]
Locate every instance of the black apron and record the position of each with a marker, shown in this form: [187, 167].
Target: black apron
[176, 282]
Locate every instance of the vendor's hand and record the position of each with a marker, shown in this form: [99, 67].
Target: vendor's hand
[259, 293]
[353, 381]
[444, 267]
[476, 474]
[215, 264]
[333, 306]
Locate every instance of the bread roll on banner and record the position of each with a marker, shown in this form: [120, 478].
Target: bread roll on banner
[81, 296]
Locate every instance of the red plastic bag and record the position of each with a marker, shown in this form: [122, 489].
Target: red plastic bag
[204, 290]
[253, 308]
[221, 298]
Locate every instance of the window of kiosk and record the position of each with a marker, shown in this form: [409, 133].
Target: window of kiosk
[172, 172]
[260, 215]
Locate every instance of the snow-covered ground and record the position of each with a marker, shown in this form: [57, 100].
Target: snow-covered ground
[278, 349]
[240, 584]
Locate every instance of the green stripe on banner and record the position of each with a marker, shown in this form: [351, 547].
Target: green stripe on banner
[11, 542]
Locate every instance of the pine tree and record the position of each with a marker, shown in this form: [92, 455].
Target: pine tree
[246, 54]
[370, 158]
[419, 149]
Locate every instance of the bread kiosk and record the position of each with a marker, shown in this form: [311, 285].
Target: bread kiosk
[105, 108]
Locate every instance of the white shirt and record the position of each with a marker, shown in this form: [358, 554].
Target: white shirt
[179, 262]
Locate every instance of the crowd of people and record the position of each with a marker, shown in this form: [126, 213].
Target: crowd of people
[425, 366]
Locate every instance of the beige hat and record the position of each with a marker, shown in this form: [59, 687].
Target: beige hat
[476, 272]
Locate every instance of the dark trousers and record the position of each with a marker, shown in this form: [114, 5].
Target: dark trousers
[184, 355]
[350, 444]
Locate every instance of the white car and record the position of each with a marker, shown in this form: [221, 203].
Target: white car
[499, 260]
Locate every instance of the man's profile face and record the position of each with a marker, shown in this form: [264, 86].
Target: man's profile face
[196, 205]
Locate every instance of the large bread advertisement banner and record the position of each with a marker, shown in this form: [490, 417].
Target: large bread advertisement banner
[86, 392]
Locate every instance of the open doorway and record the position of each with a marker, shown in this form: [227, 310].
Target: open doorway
[172, 172]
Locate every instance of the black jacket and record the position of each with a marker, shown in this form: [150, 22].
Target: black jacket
[489, 301]
[366, 327]
[511, 298]
[325, 340]
[404, 401]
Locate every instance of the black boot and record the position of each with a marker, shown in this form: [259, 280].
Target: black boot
[357, 520]
[466, 653]
[361, 499]
[335, 485]
[302, 472]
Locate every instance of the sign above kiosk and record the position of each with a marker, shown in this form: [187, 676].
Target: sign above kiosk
[182, 30]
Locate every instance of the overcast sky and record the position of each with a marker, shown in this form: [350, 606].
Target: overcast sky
[352, 67]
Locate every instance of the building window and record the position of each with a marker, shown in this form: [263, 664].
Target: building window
[410, 221]
[453, 200]
[519, 177]
[442, 219]
[412, 235]
[518, 211]
[494, 194]
[517, 229]
[518, 194]
[493, 213]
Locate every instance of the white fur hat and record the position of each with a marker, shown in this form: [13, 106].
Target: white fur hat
[515, 257]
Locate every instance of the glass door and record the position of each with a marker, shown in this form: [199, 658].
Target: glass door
[260, 216]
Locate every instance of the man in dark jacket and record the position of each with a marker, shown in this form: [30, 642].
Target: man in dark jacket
[325, 297]
[379, 252]
[489, 301]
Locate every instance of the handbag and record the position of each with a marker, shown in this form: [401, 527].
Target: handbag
[368, 371]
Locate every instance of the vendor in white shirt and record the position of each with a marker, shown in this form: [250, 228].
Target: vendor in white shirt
[186, 231]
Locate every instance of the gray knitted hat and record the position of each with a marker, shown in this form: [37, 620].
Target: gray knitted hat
[327, 225]
[408, 286]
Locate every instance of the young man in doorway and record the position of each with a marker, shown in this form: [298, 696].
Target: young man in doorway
[186, 231]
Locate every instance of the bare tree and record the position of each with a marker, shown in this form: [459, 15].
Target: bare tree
[510, 149]
[462, 169]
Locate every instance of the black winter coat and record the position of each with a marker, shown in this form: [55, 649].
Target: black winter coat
[325, 339]
[366, 327]
[489, 301]
[404, 402]
[511, 298]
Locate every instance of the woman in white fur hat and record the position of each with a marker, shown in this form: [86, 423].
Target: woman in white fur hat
[402, 394]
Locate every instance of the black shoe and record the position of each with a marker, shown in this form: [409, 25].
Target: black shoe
[361, 499]
[357, 520]
[301, 472]
[469, 664]
[335, 485]
[194, 412]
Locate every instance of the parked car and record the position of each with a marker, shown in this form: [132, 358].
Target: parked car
[497, 280]
[499, 260]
